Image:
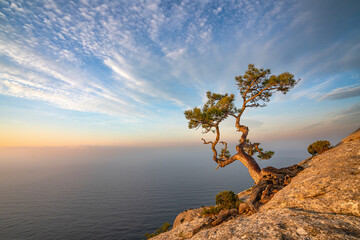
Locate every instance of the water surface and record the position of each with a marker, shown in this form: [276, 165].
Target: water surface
[109, 192]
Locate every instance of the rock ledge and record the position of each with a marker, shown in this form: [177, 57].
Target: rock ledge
[321, 202]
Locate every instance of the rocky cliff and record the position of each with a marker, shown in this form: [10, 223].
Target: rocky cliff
[321, 202]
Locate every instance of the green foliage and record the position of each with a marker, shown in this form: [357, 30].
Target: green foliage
[265, 155]
[224, 153]
[319, 147]
[257, 85]
[164, 228]
[261, 154]
[211, 210]
[227, 200]
[217, 108]
[224, 201]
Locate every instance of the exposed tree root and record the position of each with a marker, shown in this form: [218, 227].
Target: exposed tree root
[216, 219]
[272, 180]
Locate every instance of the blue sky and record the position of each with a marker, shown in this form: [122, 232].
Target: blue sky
[123, 72]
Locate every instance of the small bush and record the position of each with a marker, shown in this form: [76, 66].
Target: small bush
[224, 201]
[227, 200]
[319, 147]
[164, 228]
[211, 210]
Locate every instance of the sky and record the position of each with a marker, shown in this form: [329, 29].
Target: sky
[122, 73]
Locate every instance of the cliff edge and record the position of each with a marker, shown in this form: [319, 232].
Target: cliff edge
[321, 202]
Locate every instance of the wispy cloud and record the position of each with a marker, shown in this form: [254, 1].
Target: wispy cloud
[342, 93]
[314, 92]
[66, 38]
[141, 57]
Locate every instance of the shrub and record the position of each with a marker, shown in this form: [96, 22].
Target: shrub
[227, 200]
[211, 210]
[319, 147]
[164, 228]
[224, 201]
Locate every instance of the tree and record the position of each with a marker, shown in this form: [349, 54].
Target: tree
[256, 87]
[319, 147]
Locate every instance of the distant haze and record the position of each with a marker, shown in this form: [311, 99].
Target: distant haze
[110, 192]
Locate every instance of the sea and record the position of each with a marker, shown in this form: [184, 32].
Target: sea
[112, 192]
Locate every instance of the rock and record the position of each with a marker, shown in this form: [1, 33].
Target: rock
[285, 223]
[186, 216]
[223, 216]
[352, 137]
[321, 202]
[245, 209]
[244, 195]
[185, 230]
[330, 184]
[272, 181]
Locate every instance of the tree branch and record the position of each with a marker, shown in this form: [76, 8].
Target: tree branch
[256, 146]
[205, 142]
[259, 93]
[223, 163]
[249, 88]
[223, 156]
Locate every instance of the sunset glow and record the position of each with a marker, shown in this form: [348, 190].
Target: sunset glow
[122, 73]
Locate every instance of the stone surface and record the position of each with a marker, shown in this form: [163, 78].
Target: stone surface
[352, 137]
[186, 216]
[285, 223]
[321, 202]
[331, 183]
[244, 195]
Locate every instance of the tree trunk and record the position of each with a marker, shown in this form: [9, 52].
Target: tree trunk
[246, 159]
[250, 163]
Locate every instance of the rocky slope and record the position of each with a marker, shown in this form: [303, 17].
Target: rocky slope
[321, 202]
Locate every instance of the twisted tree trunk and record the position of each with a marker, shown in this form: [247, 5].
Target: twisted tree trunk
[248, 161]
[251, 164]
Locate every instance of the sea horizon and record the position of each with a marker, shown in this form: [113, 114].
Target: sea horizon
[110, 193]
